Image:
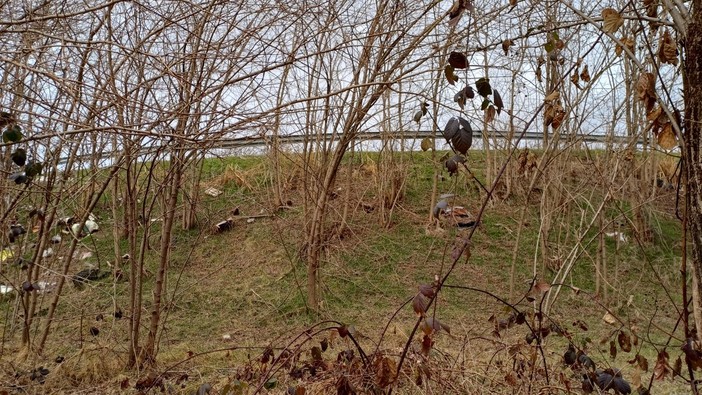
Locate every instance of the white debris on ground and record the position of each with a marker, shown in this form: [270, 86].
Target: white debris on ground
[214, 192]
[618, 235]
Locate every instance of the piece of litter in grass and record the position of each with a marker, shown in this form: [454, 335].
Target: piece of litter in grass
[85, 255]
[214, 192]
[225, 225]
[250, 220]
[226, 337]
[619, 235]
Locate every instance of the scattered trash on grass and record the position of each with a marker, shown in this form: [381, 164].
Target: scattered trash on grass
[214, 192]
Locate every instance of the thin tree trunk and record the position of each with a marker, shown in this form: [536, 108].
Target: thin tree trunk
[692, 163]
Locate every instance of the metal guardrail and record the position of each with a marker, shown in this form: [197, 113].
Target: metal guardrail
[255, 141]
[261, 141]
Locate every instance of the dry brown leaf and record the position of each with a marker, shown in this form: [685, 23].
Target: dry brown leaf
[575, 79]
[645, 86]
[385, 368]
[624, 341]
[662, 368]
[628, 42]
[549, 112]
[513, 3]
[651, 8]
[654, 114]
[506, 44]
[553, 96]
[666, 138]
[538, 74]
[451, 77]
[636, 379]
[542, 286]
[612, 21]
[667, 49]
[490, 114]
[585, 75]
[609, 318]
[558, 116]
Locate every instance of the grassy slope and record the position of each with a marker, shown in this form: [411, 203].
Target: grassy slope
[249, 283]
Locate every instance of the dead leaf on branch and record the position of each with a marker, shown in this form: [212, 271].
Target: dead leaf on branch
[459, 6]
[451, 77]
[585, 75]
[645, 86]
[654, 115]
[662, 368]
[575, 79]
[667, 49]
[651, 8]
[666, 138]
[645, 90]
[457, 60]
[624, 341]
[611, 20]
[420, 304]
[506, 44]
[629, 43]
[553, 96]
[490, 114]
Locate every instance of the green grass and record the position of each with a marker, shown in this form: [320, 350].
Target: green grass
[249, 283]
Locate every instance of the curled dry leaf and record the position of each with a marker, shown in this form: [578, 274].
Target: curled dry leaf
[418, 116]
[645, 86]
[585, 75]
[451, 77]
[385, 370]
[609, 318]
[654, 114]
[666, 138]
[624, 341]
[693, 355]
[420, 304]
[497, 100]
[645, 90]
[542, 287]
[426, 290]
[490, 114]
[553, 96]
[575, 79]
[612, 349]
[427, 343]
[629, 43]
[558, 116]
[611, 20]
[677, 367]
[483, 86]
[431, 326]
[506, 44]
[651, 8]
[457, 60]
[662, 368]
[667, 49]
